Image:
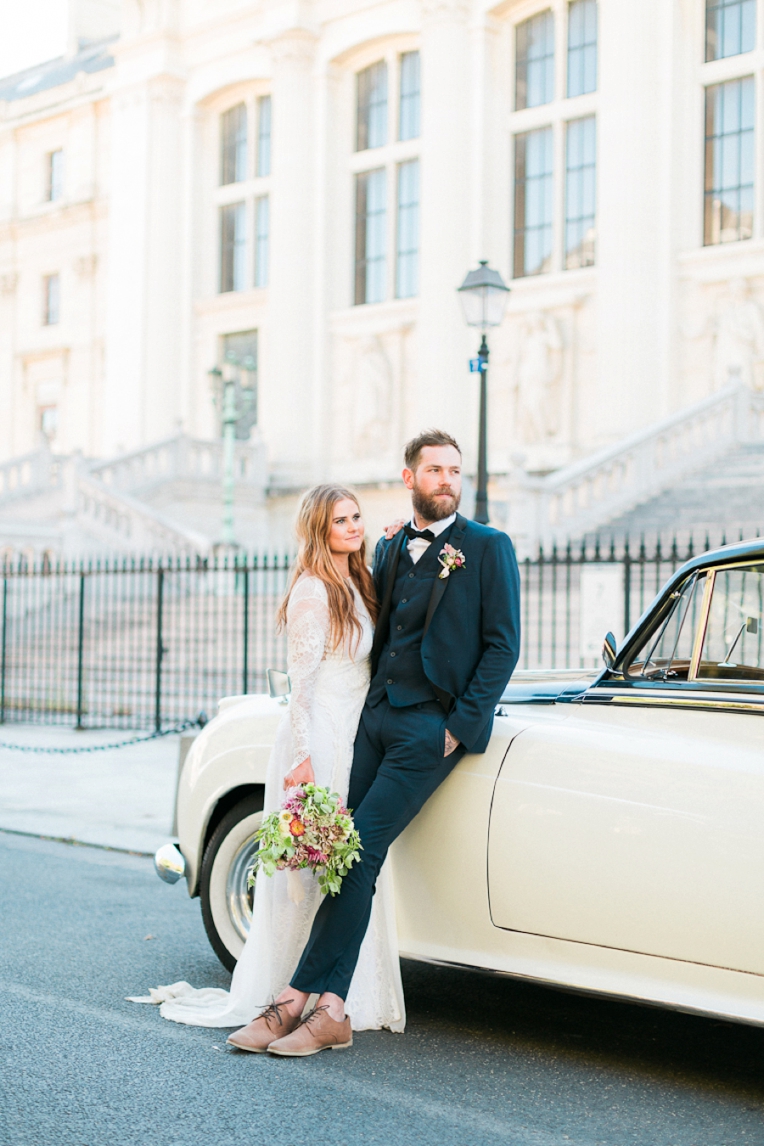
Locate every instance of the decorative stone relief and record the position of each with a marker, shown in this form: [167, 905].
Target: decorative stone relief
[722, 338]
[143, 16]
[738, 335]
[85, 265]
[538, 378]
[372, 399]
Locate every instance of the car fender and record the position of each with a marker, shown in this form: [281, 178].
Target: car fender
[231, 752]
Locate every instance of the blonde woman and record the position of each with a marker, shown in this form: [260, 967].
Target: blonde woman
[329, 612]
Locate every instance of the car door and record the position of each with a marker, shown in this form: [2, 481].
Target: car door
[638, 823]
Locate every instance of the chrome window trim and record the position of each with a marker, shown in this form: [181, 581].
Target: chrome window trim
[695, 692]
[700, 632]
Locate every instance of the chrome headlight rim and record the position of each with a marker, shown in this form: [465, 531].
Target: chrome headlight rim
[169, 863]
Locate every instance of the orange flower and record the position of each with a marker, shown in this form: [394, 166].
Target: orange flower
[297, 827]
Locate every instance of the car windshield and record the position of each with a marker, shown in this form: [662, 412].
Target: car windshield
[733, 645]
[667, 652]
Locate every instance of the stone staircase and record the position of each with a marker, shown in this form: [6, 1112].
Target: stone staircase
[722, 500]
[694, 470]
[70, 505]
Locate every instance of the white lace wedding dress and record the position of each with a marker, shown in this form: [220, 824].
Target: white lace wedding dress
[328, 692]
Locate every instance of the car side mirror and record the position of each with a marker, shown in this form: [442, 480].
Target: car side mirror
[609, 650]
[279, 685]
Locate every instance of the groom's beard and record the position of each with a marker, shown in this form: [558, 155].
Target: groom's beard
[429, 507]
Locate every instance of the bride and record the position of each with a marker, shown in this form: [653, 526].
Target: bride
[329, 610]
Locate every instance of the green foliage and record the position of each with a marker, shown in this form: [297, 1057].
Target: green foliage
[312, 830]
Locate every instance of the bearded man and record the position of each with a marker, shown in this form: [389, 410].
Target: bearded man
[446, 643]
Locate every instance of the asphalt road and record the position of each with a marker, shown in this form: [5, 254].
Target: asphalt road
[484, 1060]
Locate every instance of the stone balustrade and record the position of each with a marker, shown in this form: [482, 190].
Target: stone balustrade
[31, 473]
[582, 497]
[127, 524]
[182, 458]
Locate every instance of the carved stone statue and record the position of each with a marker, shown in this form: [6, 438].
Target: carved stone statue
[372, 399]
[538, 375]
[739, 338]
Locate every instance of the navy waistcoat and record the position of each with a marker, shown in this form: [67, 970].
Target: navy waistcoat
[400, 673]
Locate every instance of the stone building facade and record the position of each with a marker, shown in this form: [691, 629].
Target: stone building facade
[294, 189]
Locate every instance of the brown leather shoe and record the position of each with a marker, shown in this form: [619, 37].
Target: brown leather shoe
[318, 1031]
[260, 1033]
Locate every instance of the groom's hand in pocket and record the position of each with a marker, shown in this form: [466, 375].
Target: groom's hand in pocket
[300, 774]
[451, 744]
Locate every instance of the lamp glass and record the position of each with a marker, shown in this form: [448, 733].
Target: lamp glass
[484, 297]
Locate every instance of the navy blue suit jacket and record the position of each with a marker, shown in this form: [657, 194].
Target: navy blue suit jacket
[472, 633]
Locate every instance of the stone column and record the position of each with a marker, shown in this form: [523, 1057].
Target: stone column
[143, 351]
[444, 396]
[287, 374]
[634, 295]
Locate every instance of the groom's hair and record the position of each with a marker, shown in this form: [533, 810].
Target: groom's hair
[414, 448]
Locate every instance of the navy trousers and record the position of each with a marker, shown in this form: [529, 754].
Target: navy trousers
[397, 765]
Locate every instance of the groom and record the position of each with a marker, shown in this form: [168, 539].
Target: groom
[446, 643]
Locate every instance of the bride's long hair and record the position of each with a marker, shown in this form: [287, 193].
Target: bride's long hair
[313, 526]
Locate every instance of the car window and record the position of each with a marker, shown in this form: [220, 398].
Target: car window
[667, 652]
[733, 647]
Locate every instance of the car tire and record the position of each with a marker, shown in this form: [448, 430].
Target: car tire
[226, 900]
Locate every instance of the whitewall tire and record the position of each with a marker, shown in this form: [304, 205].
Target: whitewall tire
[226, 900]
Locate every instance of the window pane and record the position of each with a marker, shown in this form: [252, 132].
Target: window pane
[51, 300]
[407, 263]
[371, 103]
[582, 47]
[408, 118]
[534, 61]
[667, 652]
[533, 202]
[233, 243]
[233, 145]
[55, 175]
[262, 235]
[730, 27]
[732, 646]
[370, 228]
[728, 207]
[580, 185]
[240, 354]
[264, 136]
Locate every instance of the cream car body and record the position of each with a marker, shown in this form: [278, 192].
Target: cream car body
[609, 840]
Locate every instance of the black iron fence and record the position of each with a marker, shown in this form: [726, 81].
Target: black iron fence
[147, 644]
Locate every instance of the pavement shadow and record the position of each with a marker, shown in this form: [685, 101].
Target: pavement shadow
[647, 1040]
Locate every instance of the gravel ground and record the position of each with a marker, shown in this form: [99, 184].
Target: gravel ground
[484, 1060]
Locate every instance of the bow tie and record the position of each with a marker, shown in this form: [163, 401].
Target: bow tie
[421, 534]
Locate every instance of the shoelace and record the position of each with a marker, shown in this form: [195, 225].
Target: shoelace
[312, 1014]
[273, 1010]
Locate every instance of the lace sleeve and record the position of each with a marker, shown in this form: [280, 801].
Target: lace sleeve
[307, 634]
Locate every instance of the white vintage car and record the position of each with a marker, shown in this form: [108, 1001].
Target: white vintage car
[610, 840]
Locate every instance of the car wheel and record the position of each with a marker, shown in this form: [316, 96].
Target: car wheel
[226, 899]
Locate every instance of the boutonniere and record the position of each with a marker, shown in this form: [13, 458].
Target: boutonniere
[451, 559]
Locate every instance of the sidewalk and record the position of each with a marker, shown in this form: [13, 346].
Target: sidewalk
[119, 798]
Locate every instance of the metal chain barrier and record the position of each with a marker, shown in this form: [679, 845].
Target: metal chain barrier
[198, 722]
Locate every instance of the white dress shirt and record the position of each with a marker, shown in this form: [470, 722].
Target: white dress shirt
[419, 545]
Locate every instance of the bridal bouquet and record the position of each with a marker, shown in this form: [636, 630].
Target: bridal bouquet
[312, 830]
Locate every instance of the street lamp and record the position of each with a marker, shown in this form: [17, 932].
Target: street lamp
[483, 296]
[235, 401]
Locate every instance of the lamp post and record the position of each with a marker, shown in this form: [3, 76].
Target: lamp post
[235, 402]
[483, 296]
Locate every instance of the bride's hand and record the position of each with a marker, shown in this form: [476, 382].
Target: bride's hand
[393, 528]
[301, 774]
